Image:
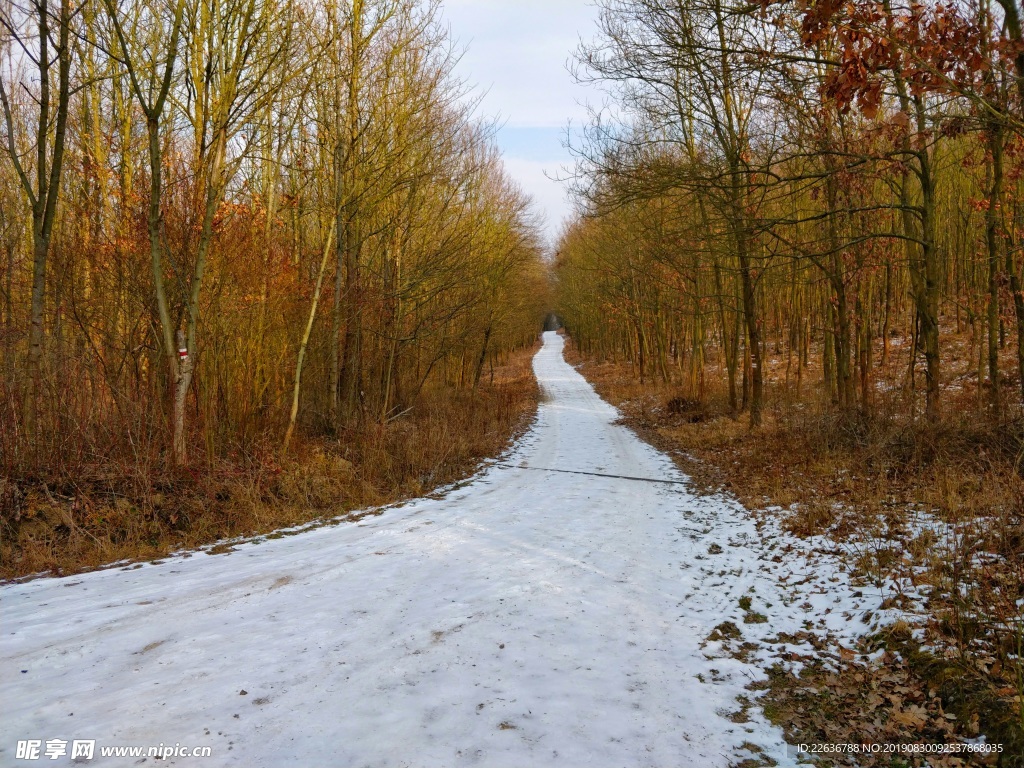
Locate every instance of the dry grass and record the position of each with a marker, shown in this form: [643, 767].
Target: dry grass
[101, 514]
[862, 482]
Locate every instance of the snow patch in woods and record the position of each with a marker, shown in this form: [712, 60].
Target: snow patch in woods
[529, 617]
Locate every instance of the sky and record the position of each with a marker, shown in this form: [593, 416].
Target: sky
[517, 52]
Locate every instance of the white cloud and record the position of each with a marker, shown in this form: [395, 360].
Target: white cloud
[517, 50]
[549, 196]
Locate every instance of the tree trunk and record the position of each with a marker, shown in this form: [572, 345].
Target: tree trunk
[182, 382]
[307, 332]
[730, 342]
[40, 250]
[9, 311]
[828, 357]
[43, 199]
[750, 314]
[1017, 290]
[932, 287]
[351, 370]
[483, 358]
[992, 234]
[842, 340]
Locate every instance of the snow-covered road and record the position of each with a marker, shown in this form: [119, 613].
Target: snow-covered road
[528, 618]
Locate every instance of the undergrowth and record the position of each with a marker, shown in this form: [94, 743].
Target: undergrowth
[91, 513]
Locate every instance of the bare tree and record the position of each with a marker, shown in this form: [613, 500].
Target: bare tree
[150, 65]
[48, 50]
[688, 71]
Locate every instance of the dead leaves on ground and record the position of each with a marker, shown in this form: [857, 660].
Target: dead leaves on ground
[881, 702]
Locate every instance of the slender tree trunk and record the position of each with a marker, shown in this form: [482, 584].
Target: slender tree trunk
[483, 357]
[351, 370]
[924, 269]
[730, 341]
[843, 344]
[887, 313]
[828, 357]
[932, 288]
[183, 380]
[9, 310]
[992, 235]
[44, 197]
[1017, 291]
[750, 314]
[173, 341]
[304, 343]
[864, 343]
[349, 235]
[334, 380]
[188, 343]
[40, 251]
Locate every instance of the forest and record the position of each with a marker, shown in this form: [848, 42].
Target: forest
[264, 269]
[798, 267]
[236, 235]
[847, 174]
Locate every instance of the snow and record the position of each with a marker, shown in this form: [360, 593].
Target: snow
[527, 618]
